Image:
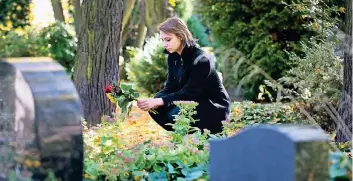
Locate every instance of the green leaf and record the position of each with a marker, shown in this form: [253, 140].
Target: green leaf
[194, 175]
[171, 169]
[157, 176]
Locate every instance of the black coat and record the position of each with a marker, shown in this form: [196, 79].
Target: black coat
[199, 82]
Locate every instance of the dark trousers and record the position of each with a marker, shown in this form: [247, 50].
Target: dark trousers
[166, 115]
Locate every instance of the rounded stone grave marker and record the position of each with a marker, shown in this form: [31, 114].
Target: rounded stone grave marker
[40, 121]
[271, 153]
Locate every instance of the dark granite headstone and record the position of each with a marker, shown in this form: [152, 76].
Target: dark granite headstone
[271, 153]
[40, 121]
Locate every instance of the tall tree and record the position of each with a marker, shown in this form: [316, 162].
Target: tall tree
[77, 15]
[97, 56]
[344, 128]
[156, 11]
[58, 10]
[142, 29]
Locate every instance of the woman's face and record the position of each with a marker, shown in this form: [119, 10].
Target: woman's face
[171, 42]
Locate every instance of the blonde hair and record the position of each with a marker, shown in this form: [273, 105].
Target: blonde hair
[179, 28]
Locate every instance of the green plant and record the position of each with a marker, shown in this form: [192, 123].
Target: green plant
[183, 8]
[318, 77]
[14, 14]
[262, 30]
[184, 119]
[122, 94]
[61, 43]
[21, 43]
[198, 31]
[181, 155]
[147, 68]
[340, 167]
[248, 113]
[182, 158]
[316, 80]
[56, 41]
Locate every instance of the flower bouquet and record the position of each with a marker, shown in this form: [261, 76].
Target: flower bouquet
[122, 95]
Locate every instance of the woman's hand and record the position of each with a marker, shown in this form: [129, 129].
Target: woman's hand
[149, 103]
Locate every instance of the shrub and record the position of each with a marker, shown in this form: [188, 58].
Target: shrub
[248, 113]
[198, 31]
[317, 77]
[21, 43]
[147, 68]
[14, 14]
[55, 41]
[262, 30]
[316, 80]
[183, 8]
[61, 43]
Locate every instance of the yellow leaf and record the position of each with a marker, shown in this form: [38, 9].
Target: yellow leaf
[36, 164]
[341, 9]
[172, 2]
[87, 176]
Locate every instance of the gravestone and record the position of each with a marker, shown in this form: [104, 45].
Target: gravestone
[271, 153]
[40, 121]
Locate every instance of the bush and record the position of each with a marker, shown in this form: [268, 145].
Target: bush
[14, 13]
[22, 43]
[318, 77]
[316, 80]
[198, 31]
[182, 8]
[55, 41]
[262, 30]
[147, 68]
[61, 42]
[248, 113]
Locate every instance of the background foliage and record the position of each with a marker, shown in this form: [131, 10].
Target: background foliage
[14, 14]
[262, 30]
[147, 67]
[179, 155]
[56, 41]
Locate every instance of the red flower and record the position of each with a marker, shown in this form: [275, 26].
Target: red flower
[108, 89]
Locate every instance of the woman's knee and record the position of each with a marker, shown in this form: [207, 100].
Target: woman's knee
[172, 113]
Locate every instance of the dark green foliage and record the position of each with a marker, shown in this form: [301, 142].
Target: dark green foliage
[262, 30]
[61, 44]
[14, 11]
[25, 43]
[198, 31]
[147, 68]
[54, 41]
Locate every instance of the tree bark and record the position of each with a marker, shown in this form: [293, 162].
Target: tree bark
[344, 128]
[77, 16]
[156, 11]
[58, 10]
[97, 56]
[129, 6]
[142, 29]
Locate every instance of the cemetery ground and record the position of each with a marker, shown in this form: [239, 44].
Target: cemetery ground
[138, 149]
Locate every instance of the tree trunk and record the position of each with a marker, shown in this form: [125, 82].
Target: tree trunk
[156, 11]
[129, 6]
[344, 128]
[97, 57]
[77, 16]
[58, 10]
[142, 29]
